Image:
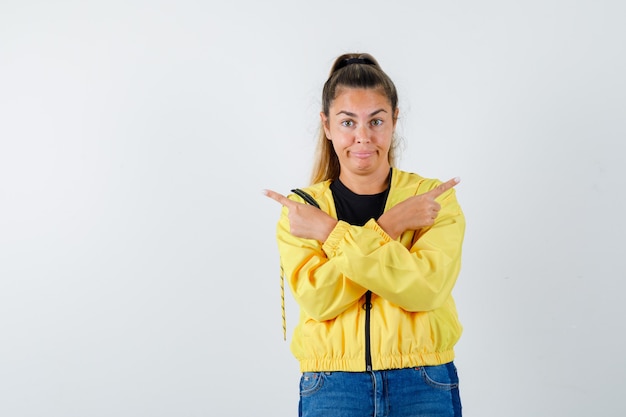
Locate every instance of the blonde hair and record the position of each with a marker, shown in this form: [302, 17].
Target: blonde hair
[352, 70]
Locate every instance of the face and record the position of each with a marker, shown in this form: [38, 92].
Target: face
[360, 125]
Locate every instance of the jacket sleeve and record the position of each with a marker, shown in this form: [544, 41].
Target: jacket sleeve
[318, 286]
[417, 277]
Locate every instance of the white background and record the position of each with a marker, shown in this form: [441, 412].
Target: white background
[138, 263]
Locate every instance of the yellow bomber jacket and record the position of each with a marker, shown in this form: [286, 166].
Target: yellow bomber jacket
[413, 315]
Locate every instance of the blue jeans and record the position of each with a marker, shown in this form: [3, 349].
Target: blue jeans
[427, 391]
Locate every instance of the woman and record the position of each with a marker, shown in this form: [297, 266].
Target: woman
[373, 267]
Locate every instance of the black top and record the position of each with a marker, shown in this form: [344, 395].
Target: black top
[358, 209]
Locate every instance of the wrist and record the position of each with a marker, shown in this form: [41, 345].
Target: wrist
[327, 229]
[387, 223]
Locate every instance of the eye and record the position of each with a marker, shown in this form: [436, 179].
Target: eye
[347, 123]
[376, 122]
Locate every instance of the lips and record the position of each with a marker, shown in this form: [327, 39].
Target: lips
[362, 154]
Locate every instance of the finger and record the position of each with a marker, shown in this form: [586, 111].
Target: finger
[277, 197]
[442, 188]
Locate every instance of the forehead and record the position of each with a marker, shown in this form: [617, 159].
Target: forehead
[365, 98]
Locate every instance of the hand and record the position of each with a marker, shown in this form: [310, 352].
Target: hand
[305, 221]
[415, 212]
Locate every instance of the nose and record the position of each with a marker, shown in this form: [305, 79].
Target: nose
[362, 134]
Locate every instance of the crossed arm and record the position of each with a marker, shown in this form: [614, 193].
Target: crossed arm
[331, 264]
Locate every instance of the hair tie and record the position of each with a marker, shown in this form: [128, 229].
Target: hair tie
[351, 61]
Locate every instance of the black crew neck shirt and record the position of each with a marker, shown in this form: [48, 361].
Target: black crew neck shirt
[358, 209]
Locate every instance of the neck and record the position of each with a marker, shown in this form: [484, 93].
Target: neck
[373, 183]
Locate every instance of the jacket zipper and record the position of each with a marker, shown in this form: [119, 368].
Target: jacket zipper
[367, 306]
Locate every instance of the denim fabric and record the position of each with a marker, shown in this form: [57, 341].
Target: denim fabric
[428, 391]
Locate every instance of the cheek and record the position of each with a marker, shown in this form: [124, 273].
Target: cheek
[388, 137]
[336, 146]
[339, 147]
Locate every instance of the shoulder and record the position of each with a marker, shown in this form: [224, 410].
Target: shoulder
[320, 192]
[411, 183]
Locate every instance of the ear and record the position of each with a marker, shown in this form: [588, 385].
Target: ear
[325, 125]
[395, 118]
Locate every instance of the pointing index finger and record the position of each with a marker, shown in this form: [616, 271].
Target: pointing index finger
[442, 188]
[281, 199]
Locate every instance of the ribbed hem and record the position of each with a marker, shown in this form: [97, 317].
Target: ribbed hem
[331, 244]
[380, 363]
[373, 224]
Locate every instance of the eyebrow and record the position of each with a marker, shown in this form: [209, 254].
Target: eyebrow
[347, 113]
